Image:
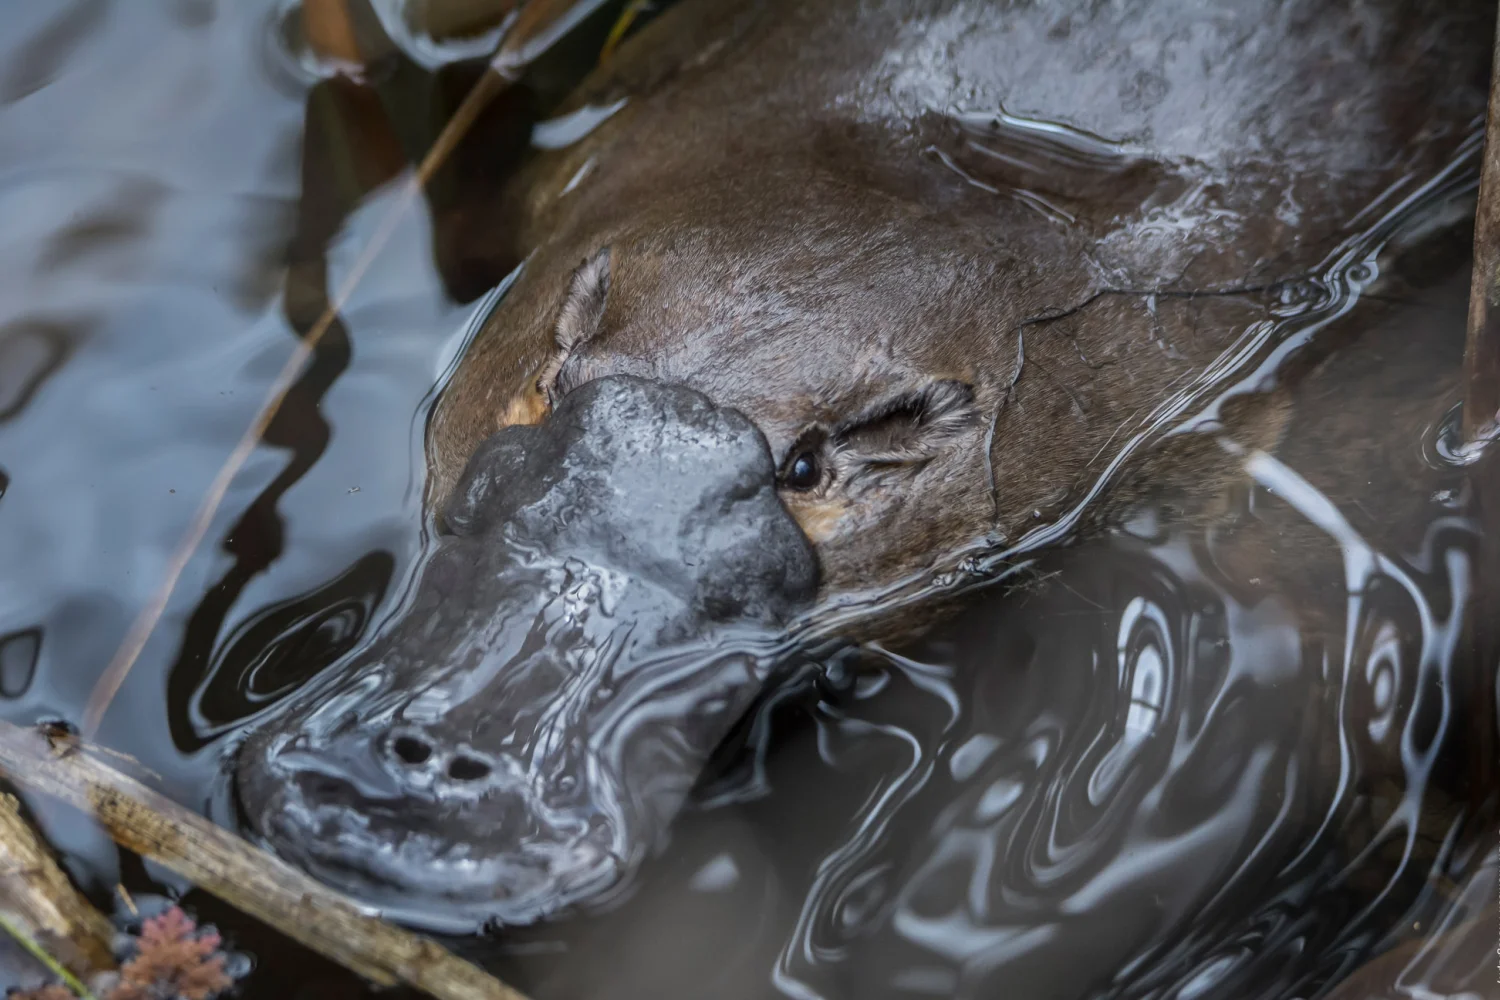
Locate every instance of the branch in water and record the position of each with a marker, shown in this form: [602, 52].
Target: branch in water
[1481, 428]
[1482, 349]
[41, 910]
[242, 875]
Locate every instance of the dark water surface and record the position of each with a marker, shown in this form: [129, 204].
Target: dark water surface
[1138, 772]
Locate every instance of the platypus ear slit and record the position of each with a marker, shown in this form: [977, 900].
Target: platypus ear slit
[578, 320]
[911, 427]
[583, 307]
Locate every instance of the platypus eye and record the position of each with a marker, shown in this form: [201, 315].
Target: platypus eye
[803, 472]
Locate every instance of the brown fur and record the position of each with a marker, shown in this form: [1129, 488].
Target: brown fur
[817, 216]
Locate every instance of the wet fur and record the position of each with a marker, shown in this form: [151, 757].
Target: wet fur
[801, 221]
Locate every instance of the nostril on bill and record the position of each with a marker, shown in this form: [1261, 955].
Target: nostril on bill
[422, 759]
[465, 768]
[411, 750]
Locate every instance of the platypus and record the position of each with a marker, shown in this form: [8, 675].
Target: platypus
[817, 302]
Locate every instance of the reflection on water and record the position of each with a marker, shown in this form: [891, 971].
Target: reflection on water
[275, 651]
[1139, 769]
[1138, 775]
[1148, 784]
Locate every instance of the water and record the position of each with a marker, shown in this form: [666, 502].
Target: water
[1139, 767]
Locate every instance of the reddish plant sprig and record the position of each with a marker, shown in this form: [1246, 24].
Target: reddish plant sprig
[174, 960]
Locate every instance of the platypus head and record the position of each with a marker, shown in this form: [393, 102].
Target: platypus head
[600, 611]
[873, 346]
[675, 435]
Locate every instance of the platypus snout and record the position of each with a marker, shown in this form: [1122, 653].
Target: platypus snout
[602, 606]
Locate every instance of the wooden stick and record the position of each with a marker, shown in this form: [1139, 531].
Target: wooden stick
[242, 875]
[38, 901]
[1482, 348]
[1481, 411]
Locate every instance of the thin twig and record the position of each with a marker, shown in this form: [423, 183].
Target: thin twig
[628, 17]
[239, 873]
[39, 953]
[1481, 389]
[1482, 348]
